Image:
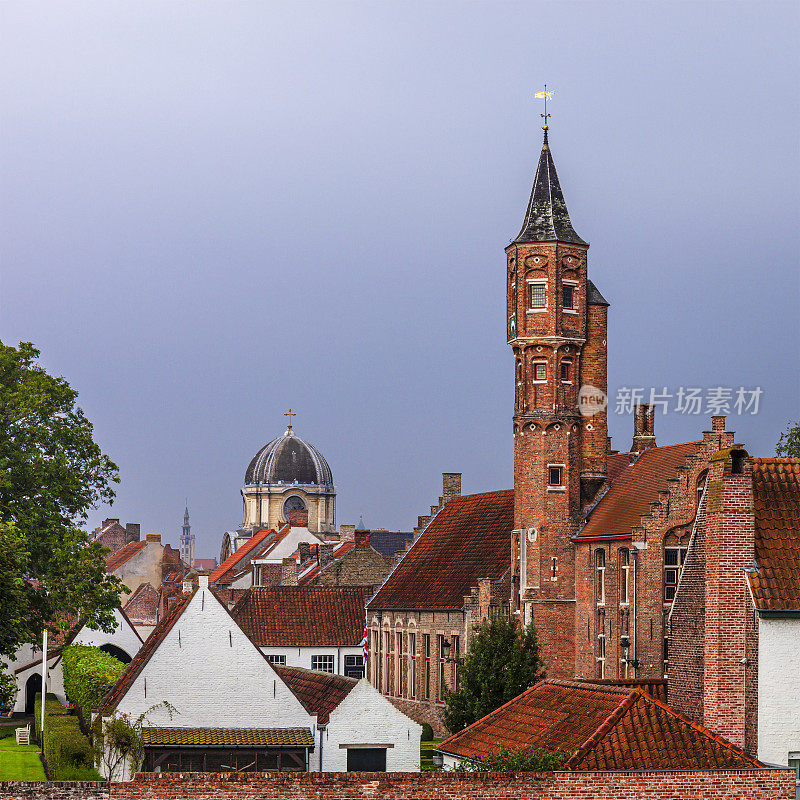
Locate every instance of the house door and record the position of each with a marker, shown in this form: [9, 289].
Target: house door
[32, 687]
[366, 759]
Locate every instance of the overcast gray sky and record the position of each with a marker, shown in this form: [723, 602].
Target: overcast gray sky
[213, 211]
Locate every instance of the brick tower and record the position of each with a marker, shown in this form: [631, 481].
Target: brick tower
[557, 330]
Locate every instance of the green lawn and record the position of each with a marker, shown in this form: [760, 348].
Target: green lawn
[19, 762]
[426, 754]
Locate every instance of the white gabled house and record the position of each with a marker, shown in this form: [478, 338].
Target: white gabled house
[234, 711]
[123, 643]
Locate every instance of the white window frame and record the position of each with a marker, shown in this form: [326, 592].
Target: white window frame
[601, 644]
[574, 285]
[625, 576]
[539, 309]
[556, 487]
[327, 659]
[682, 551]
[276, 660]
[600, 577]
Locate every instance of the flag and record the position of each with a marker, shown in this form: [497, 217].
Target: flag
[543, 95]
[365, 641]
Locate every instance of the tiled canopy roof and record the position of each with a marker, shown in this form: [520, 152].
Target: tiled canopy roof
[776, 494]
[302, 616]
[633, 488]
[601, 728]
[469, 539]
[319, 692]
[228, 737]
[116, 560]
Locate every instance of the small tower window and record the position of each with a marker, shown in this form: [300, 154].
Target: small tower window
[540, 371]
[568, 293]
[555, 476]
[600, 569]
[566, 367]
[538, 295]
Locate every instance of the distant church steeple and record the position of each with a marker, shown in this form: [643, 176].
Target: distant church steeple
[187, 539]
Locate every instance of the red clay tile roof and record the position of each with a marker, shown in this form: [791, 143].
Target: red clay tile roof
[311, 570]
[634, 488]
[319, 692]
[228, 737]
[776, 494]
[142, 605]
[116, 560]
[303, 616]
[146, 651]
[234, 558]
[469, 539]
[601, 727]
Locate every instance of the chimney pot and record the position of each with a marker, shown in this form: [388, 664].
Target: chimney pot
[347, 532]
[643, 427]
[718, 423]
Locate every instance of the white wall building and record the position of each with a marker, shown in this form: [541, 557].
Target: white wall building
[234, 711]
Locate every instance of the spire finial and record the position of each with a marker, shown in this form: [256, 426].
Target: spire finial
[543, 95]
[289, 414]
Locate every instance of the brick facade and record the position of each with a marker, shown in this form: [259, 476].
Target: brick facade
[768, 784]
[361, 566]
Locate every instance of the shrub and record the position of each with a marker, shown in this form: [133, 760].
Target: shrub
[89, 674]
[531, 759]
[65, 746]
[79, 774]
[427, 732]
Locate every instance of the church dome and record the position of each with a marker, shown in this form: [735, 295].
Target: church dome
[289, 459]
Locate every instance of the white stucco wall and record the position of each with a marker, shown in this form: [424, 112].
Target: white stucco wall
[301, 656]
[214, 677]
[778, 689]
[366, 717]
[124, 636]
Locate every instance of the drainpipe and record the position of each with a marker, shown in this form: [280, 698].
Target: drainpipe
[378, 658]
[321, 729]
[634, 556]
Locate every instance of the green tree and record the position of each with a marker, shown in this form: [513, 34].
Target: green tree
[502, 662]
[51, 474]
[526, 759]
[789, 443]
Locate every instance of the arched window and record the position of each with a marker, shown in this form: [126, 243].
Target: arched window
[600, 582]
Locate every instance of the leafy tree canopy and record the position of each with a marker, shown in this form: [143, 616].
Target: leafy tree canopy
[51, 474]
[530, 759]
[502, 662]
[789, 444]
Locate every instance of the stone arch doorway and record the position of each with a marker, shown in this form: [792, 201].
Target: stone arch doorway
[116, 652]
[32, 687]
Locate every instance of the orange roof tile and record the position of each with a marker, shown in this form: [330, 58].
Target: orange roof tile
[319, 692]
[234, 558]
[303, 616]
[601, 728]
[228, 737]
[633, 488]
[469, 539]
[116, 560]
[776, 493]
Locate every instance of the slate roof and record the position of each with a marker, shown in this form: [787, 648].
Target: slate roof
[289, 459]
[151, 644]
[247, 549]
[601, 728]
[390, 543]
[303, 616]
[547, 218]
[775, 584]
[319, 692]
[228, 737]
[633, 488]
[469, 539]
[593, 296]
[116, 560]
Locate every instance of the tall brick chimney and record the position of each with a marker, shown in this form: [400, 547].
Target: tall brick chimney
[347, 532]
[288, 572]
[451, 486]
[298, 518]
[304, 549]
[643, 427]
[133, 532]
[729, 654]
[362, 539]
[153, 537]
[325, 554]
[484, 598]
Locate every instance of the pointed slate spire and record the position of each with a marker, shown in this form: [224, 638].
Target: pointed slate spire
[547, 218]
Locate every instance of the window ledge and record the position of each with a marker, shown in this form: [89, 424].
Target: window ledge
[556, 488]
[570, 310]
[536, 310]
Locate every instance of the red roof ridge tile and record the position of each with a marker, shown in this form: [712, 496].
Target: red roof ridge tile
[234, 558]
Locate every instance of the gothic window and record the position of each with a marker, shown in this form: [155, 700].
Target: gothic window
[674, 558]
[600, 577]
[624, 575]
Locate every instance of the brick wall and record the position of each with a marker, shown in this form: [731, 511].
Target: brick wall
[728, 785]
[58, 790]
[362, 566]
